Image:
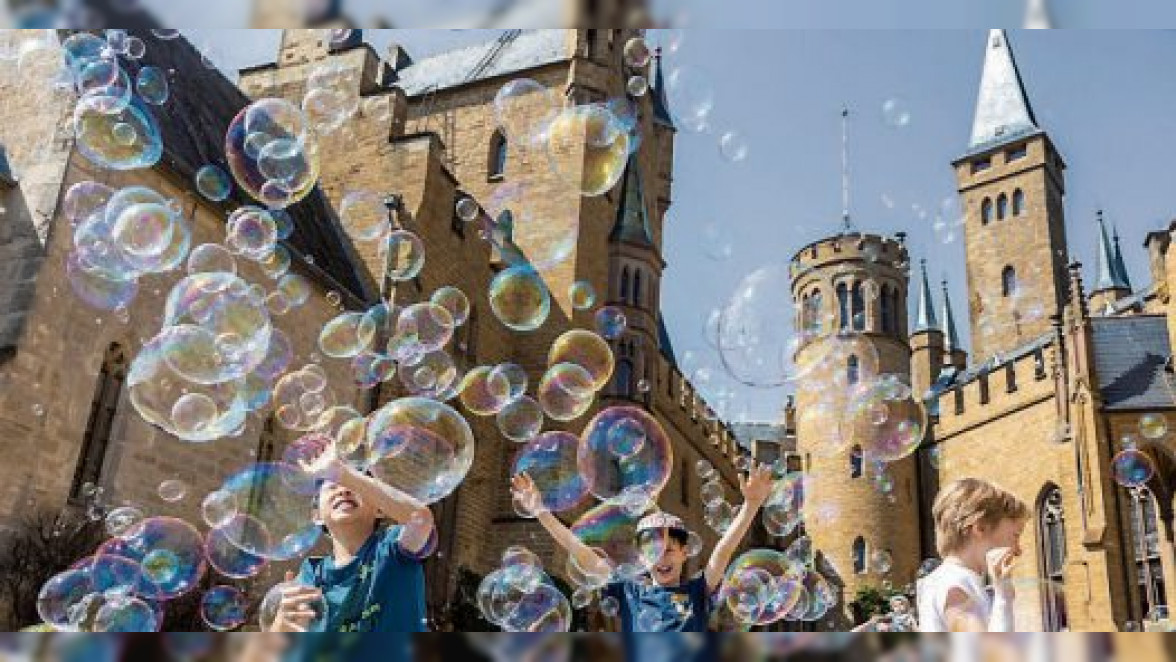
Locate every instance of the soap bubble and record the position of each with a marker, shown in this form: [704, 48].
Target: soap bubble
[468, 209]
[611, 530]
[273, 153]
[455, 301]
[743, 589]
[223, 608]
[98, 291]
[275, 508]
[589, 147]
[364, 216]
[152, 85]
[895, 113]
[523, 108]
[611, 322]
[521, 419]
[515, 375]
[550, 461]
[886, 428]
[1132, 468]
[124, 613]
[582, 295]
[566, 392]
[637, 53]
[170, 551]
[122, 520]
[211, 258]
[406, 256]
[219, 507]
[347, 335]
[213, 183]
[587, 350]
[94, 129]
[733, 147]
[173, 490]
[85, 198]
[226, 557]
[432, 375]
[484, 391]
[691, 97]
[881, 561]
[268, 611]
[624, 448]
[520, 299]
[421, 328]
[1153, 426]
[301, 396]
[251, 232]
[422, 447]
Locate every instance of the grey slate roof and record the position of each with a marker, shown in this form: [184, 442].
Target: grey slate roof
[950, 335]
[1003, 112]
[925, 318]
[663, 340]
[530, 49]
[1129, 356]
[951, 377]
[658, 91]
[1110, 276]
[632, 224]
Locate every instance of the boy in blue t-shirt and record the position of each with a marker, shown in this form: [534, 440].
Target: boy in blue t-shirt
[663, 603]
[373, 581]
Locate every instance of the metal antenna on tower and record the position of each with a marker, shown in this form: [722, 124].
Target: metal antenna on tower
[847, 223]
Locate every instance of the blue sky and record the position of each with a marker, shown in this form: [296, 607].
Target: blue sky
[1107, 97]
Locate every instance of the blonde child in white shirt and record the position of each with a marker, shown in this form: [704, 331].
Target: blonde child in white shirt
[978, 529]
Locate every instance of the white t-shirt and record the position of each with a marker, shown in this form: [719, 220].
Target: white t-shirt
[932, 599]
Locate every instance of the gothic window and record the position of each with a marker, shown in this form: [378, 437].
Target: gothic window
[99, 427]
[853, 370]
[843, 305]
[1052, 537]
[637, 300]
[625, 378]
[1002, 206]
[625, 284]
[855, 462]
[816, 302]
[859, 308]
[1018, 202]
[859, 556]
[1146, 550]
[1008, 282]
[497, 164]
[592, 38]
[887, 311]
[986, 211]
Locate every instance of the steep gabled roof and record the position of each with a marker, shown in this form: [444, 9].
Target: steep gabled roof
[1129, 357]
[527, 50]
[632, 224]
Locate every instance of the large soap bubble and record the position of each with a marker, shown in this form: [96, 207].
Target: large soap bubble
[587, 350]
[128, 139]
[273, 153]
[170, 552]
[550, 461]
[422, 447]
[884, 419]
[611, 529]
[588, 146]
[625, 449]
[520, 299]
[275, 511]
[232, 311]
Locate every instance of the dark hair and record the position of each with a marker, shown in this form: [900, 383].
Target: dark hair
[680, 536]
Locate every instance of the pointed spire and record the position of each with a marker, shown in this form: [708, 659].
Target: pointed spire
[1108, 277]
[632, 224]
[925, 320]
[950, 335]
[1120, 265]
[657, 89]
[1002, 108]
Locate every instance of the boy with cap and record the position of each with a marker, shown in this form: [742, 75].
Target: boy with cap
[665, 603]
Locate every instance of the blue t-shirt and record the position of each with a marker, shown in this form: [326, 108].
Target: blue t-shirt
[381, 590]
[653, 608]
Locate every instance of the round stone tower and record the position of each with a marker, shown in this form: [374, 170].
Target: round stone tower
[850, 292]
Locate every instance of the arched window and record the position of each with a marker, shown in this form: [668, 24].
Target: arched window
[853, 370]
[1008, 281]
[986, 211]
[625, 284]
[100, 425]
[843, 305]
[497, 163]
[887, 312]
[855, 462]
[625, 378]
[896, 310]
[817, 302]
[1051, 529]
[504, 227]
[859, 308]
[637, 300]
[859, 556]
[1018, 202]
[1002, 207]
[1149, 567]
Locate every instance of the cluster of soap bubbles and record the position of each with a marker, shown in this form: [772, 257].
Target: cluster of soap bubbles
[1132, 467]
[764, 586]
[520, 597]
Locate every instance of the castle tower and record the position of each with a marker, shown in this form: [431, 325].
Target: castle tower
[1011, 184]
[855, 287]
[1112, 282]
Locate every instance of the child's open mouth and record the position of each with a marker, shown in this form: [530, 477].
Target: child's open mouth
[344, 504]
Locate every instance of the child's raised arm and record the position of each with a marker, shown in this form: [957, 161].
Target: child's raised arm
[586, 558]
[756, 488]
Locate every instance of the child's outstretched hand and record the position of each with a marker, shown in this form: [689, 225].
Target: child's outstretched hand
[527, 494]
[757, 487]
[317, 456]
[1002, 561]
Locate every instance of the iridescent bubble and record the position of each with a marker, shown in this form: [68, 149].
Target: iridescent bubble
[275, 511]
[173, 490]
[151, 83]
[589, 147]
[637, 86]
[406, 256]
[566, 392]
[209, 258]
[521, 420]
[170, 551]
[468, 209]
[455, 301]
[550, 461]
[1132, 468]
[223, 608]
[647, 465]
[85, 198]
[582, 295]
[295, 288]
[691, 98]
[422, 447]
[165, 34]
[213, 183]
[67, 597]
[98, 291]
[484, 391]
[611, 322]
[364, 216]
[637, 53]
[301, 397]
[225, 306]
[422, 328]
[347, 335]
[268, 610]
[520, 299]
[523, 109]
[122, 520]
[272, 152]
[762, 586]
[1153, 426]
[124, 613]
[251, 232]
[218, 508]
[277, 264]
[226, 557]
[895, 113]
[431, 375]
[143, 232]
[326, 109]
[587, 350]
[755, 332]
[733, 147]
[94, 130]
[515, 375]
[886, 429]
[611, 530]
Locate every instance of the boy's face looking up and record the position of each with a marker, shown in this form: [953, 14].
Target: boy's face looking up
[667, 549]
[340, 507]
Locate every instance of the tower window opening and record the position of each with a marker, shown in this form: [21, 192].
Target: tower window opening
[986, 211]
[859, 556]
[859, 308]
[496, 169]
[853, 370]
[1018, 202]
[855, 462]
[843, 305]
[1017, 153]
[625, 292]
[637, 299]
[886, 302]
[1002, 207]
[1008, 282]
[980, 165]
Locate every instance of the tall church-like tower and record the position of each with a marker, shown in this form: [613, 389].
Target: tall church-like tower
[851, 290]
[1011, 183]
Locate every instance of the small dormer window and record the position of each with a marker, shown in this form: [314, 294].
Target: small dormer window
[1017, 153]
[980, 165]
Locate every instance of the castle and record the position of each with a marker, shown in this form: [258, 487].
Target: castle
[1061, 375]
[424, 137]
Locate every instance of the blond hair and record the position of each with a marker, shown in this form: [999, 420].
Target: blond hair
[966, 504]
